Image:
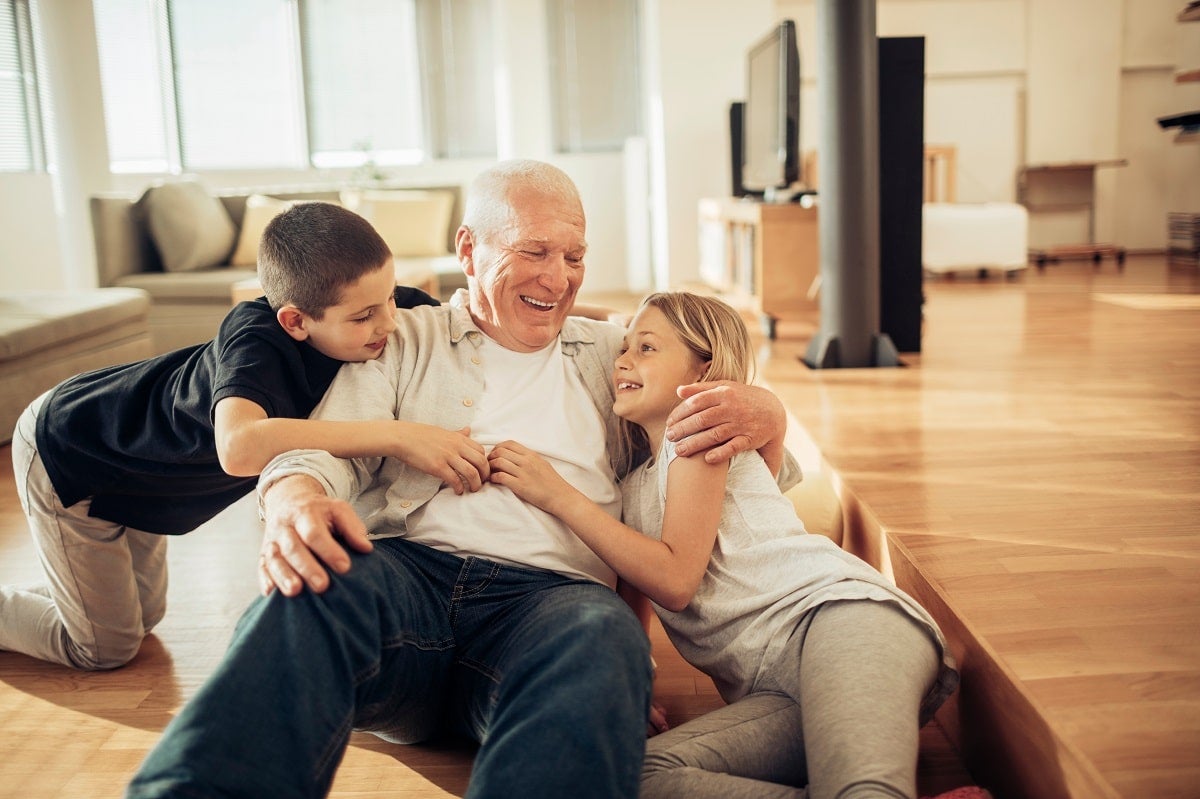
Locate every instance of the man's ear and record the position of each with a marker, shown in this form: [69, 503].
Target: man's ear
[292, 320]
[464, 247]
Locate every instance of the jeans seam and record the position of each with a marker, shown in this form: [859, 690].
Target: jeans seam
[334, 748]
[395, 643]
[459, 592]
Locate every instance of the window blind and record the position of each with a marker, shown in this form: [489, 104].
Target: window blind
[20, 122]
[594, 73]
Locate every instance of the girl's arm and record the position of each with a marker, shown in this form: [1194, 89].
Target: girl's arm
[247, 439]
[667, 571]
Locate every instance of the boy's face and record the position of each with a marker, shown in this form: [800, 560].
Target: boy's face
[357, 328]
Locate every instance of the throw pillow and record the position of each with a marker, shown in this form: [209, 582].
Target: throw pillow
[190, 228]
[414, 223]
[260, 210]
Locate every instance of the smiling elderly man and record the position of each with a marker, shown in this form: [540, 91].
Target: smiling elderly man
[434, 607]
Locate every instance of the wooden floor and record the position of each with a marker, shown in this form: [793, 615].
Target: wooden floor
[1035, 473]
[1033, 476]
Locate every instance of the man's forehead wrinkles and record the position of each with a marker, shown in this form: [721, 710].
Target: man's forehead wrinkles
[549, 241]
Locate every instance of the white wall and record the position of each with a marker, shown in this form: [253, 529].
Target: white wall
[30, 257]
[1011, 82]
[982, 60]
[1162, 176]
[695, 52]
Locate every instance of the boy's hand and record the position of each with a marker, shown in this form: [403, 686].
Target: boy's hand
[527, 474]
[301, 525]
[452, 456]
[724, 418]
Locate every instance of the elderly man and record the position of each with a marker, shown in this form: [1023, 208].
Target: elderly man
[438, 605]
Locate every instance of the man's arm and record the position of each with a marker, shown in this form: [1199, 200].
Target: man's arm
[724, 418]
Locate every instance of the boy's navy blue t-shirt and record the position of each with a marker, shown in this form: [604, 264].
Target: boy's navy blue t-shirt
[138, 438]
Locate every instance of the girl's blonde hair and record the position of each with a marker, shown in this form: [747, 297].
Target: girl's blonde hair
[715, 334]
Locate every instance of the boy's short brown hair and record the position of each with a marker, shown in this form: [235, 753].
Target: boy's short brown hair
[311, 251]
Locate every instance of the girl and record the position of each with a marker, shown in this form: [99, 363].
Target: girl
[827, 667]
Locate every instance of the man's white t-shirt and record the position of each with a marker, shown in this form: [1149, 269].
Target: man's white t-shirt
[536, 399]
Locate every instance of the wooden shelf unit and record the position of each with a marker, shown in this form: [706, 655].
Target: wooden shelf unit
[763, 256]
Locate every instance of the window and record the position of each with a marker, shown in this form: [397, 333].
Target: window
[362, 79]
[139, 112]
[20, 121]
[594, 73]
[458, 82]
[236, 84]
[230, 84]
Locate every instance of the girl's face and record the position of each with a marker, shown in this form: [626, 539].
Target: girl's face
[653, 363]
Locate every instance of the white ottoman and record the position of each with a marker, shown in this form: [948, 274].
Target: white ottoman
[969, 236]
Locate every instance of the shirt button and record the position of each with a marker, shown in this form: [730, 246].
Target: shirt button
[475, 359]
[468, 402]
[406, 503]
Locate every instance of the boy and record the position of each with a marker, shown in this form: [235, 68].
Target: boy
[110, 462]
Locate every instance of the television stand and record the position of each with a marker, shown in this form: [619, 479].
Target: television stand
[763, 256]
[792, 194]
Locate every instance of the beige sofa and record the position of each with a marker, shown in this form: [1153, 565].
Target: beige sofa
[188, 248]
[48, 336]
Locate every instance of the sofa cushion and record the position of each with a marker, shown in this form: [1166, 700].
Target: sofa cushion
[206, 285]
[412, 222]
[260, 210]
[31, 321]
[190, 228]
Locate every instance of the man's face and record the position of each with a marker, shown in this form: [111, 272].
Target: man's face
[524, 278]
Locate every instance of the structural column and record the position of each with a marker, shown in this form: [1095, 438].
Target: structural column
[848, 156]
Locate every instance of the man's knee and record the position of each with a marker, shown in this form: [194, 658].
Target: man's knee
[606, 627]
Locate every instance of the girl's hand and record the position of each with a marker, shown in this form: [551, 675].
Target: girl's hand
[527, 474]
[658, 720]
[452, 456]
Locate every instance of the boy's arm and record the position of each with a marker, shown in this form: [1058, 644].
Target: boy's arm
[247, 440]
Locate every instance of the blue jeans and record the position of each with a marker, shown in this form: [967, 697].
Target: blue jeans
[550, 674]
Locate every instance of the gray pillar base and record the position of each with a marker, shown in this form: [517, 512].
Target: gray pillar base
[823, 352]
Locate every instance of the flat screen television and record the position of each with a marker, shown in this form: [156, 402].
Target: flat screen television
[771, 117]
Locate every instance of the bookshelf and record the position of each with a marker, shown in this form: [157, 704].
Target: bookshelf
[762, 257]
[1190, 133]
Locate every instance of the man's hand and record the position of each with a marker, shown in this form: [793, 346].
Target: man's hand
[724, 418]
[301, 525]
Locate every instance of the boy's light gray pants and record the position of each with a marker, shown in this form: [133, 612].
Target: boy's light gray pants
[104, 586]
